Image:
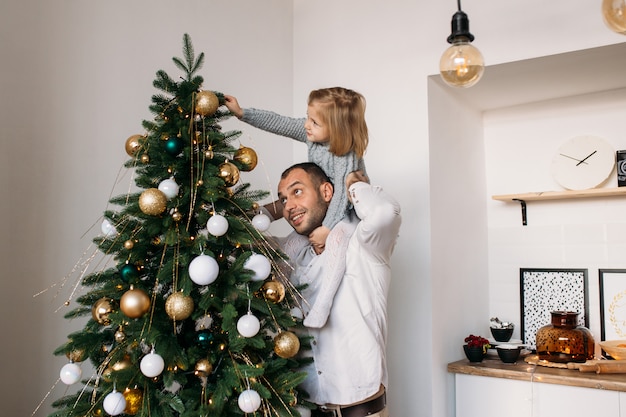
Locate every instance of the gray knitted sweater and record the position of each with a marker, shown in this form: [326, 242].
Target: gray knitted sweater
[336, 167]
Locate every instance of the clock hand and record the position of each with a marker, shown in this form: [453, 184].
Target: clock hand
[577, 160]
[584, 159]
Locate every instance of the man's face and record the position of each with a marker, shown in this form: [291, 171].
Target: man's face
[304, 204]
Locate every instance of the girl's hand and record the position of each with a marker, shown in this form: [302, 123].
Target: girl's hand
[233, 106]
[318, 238]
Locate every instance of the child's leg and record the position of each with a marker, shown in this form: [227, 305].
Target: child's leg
[336, 247]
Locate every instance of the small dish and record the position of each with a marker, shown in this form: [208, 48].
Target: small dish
[509, 353]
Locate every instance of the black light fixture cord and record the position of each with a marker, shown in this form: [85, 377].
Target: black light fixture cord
[458, 2]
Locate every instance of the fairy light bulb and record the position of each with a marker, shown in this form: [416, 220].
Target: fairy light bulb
[614, 14]
[462, 64]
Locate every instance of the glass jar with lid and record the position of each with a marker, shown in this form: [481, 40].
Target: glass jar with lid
[564, 340]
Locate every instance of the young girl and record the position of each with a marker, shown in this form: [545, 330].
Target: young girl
[336, 136]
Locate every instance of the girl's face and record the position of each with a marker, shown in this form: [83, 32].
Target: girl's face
[316, 130]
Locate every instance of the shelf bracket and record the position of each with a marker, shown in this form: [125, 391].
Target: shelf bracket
[523, 204]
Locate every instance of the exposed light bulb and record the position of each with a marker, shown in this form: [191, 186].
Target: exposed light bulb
[614, 14]
[462, 64]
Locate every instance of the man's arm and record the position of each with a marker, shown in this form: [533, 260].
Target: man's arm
[380, 219]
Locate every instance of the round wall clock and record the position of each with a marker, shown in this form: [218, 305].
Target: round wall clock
[583, 162]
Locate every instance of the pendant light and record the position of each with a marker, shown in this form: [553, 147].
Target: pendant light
[461, 65]
[614, 14]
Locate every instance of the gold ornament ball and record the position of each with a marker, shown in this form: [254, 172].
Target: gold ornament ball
[207, 103]
[229, 173]
[120, 336]
[152, 202]
[203, 368]
[129, 244]
[246, 157]
[101, 309]
[177, 216]
[134, 399]
[145, 158]
[133, 144]
[135, 303]
[179, 306]
[286, 344]
[76, 355]
[273, 291]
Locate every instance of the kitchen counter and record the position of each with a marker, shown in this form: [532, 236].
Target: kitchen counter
[523, 371]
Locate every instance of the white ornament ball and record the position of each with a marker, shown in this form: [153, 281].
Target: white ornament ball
[108, 230]
[152, 365]
[114, 403]
[70, 373]
[249, 401]
[203, 270]
[248, 325]
[261, 222]
[169, 188]
[217, 225]
[260, 265]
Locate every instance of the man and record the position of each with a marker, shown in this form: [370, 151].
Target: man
[349, 373]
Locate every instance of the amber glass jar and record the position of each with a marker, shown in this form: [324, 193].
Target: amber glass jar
[564, 340]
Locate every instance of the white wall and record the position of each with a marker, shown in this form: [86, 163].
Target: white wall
[76, 82]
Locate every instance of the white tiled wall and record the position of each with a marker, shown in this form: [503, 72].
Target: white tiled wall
[583, 233]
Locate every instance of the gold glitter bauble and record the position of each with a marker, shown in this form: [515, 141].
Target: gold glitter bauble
[135, 303]
[152, 202]
[229, 173]
[123, 364]
[76, 355]
[207, 103]
[179, 306]
[203, 368]
[129, 244]
[286, 344]
[177, 216]
[134, 399]
[133, 144]
[273, 291]
[246, 157]
[101, 309]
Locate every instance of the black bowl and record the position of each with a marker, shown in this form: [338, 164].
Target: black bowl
[508, 353]
[501, 335]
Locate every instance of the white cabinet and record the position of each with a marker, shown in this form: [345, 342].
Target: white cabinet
[481, 396]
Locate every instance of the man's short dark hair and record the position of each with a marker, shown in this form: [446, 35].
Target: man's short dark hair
[317, 174]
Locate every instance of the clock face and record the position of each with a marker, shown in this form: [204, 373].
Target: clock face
[583, 162]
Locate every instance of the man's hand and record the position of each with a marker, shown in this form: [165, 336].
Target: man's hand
[318, 238]
[355, 176]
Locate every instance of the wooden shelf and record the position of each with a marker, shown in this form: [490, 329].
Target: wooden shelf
[562, 195]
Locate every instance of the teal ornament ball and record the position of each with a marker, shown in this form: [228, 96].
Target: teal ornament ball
[129, 273]
[174, 145]
[204, 338]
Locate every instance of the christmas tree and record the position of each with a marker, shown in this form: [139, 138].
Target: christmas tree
[192, 314]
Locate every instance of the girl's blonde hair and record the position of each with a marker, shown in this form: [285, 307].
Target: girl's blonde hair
[343, 111]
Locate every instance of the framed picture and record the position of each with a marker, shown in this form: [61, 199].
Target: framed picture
[612, 304]
[545, 290]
